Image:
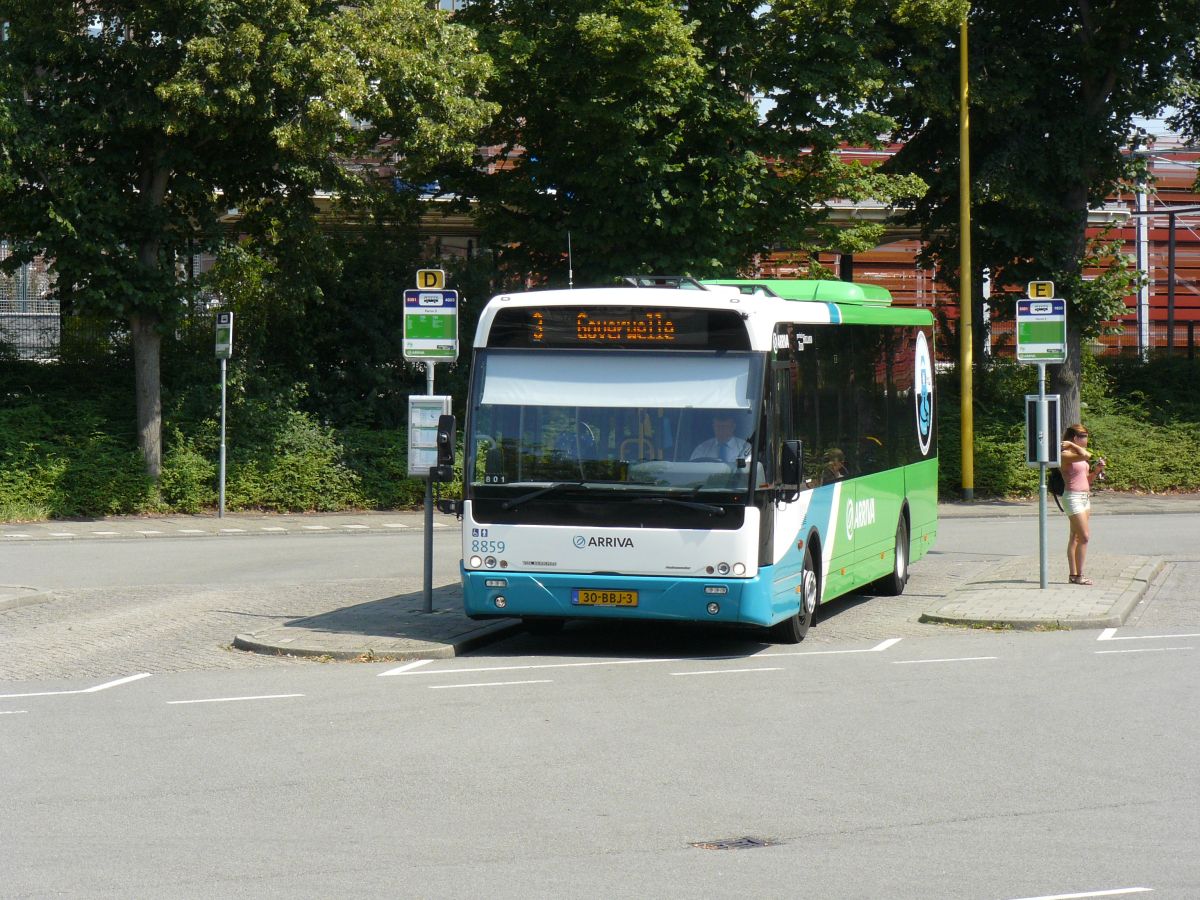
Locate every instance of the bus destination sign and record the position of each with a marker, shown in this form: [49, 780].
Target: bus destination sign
[619, 327]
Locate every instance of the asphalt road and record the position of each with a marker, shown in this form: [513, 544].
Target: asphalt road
[966, 765]
[878, 759]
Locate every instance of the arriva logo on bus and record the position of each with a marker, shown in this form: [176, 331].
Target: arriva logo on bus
[859, 514]
[580, 541]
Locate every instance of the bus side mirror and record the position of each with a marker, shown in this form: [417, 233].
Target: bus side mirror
[444, 470]
[791, 470]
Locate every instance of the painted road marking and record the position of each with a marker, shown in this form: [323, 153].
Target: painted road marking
[407, 667]
[730, 671]
[233, 531]
[233, 699]
[1143, 650]
[906, 662]
[638, 662]
[149, 532]
[393, 525]
[16, 534]
[62, 534]
[355, 526]
[1110, 634]
[442, 687]
[192, 531]
[315, 527]
[1112, 893]
[273, 528]
[91, 690]
[12, 712]
[106, 533]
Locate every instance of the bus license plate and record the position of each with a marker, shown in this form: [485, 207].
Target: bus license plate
[585, 597]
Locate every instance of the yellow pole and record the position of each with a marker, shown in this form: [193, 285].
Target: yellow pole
[965, 324]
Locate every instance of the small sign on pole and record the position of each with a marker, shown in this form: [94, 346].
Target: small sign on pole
[1043, 444]
[424, 411]
[431, 325]
[431, 279]
[1042, 330]
[224, 335]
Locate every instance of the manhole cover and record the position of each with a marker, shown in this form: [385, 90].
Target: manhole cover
[741, 843]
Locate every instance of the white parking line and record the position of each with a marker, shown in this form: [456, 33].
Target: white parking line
[1143, 650]
[730, 671]
[1112, 893]
[106, 533]
[192, 531]
[906, 662]
[407, 667]
[12, 712]
[273, 528]
[1110, 634]
[442, 687]
[233, 699]
[355, 526]
[233, 531]
[62, 534]
[91, 690]
[149, 532]
[14, 534]
[639, 662]
[393, 525]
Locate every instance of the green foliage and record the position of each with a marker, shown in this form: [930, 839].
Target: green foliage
[189, 477]
[1144, 419]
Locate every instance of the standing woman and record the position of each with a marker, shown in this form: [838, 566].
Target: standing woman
[1078, 474]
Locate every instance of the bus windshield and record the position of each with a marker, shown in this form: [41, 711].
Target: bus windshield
[643, 421]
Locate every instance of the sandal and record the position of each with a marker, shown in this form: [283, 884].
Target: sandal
[1080, 579]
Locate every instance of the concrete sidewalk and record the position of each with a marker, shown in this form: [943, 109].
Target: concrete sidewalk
[1006, 595]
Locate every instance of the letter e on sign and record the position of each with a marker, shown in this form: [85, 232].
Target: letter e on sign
[431, 279]
[1040, 290]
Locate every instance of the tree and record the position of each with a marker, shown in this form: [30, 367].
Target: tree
[1056, 89]
[130, 130]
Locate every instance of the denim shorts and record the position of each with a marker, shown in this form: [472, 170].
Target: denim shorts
[1076, 502]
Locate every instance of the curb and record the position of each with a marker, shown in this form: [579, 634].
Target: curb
[13, 596]
[259, 642]
[1130, 596]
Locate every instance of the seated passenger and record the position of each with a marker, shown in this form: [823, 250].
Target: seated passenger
[835, 466]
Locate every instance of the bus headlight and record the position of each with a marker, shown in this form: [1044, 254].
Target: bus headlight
[739, 568]
[722, 568]
[475, 562]
[490, 562]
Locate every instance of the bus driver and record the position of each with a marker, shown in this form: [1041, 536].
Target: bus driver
[723, 445]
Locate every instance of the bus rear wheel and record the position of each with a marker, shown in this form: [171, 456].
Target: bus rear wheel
[893, 585]
[793, 630]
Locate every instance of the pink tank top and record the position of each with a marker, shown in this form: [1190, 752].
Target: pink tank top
[1076, 475]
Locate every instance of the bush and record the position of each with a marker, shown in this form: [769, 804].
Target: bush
[189, 477]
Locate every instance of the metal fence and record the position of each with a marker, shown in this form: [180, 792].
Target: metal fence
[30, 324]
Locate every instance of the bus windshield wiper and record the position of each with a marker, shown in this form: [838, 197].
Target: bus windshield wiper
[517, 501]
[709, 508]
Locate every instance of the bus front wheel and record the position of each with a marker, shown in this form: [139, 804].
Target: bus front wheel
[793, 629]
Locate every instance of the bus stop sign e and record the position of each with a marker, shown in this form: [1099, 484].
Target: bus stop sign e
[1041, 325]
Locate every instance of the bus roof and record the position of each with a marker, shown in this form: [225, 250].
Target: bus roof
[821, 290]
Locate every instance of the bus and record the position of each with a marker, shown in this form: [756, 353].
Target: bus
[729, 451]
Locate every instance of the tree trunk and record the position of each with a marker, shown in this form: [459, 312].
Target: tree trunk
[1065, 380]
[147, 344]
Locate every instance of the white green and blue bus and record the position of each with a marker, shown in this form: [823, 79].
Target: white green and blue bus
[592, 489]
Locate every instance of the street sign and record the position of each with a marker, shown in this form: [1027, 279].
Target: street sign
[431, 325]
[424, 413]
[431, 279]
[1040, 290]
[1042, 330]
[1049, 449]
[224, 335]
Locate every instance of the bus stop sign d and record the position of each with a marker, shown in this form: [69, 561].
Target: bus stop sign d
[431, 325]
[1041, 329]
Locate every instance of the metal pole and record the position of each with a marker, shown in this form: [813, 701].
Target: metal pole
[1142, 227]
[428, 586]
[965, 326]
[1042, 426]
[1171, 284]
[221, 488]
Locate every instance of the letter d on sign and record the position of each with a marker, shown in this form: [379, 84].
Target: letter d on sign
[431, 279]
